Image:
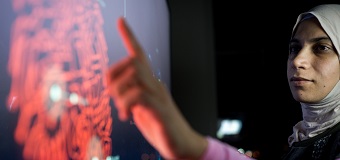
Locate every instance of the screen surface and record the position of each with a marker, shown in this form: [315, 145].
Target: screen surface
[53, 98]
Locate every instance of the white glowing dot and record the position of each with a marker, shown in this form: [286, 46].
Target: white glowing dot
[241, 150]
[113, 157]
[55, 93]
[229, 127]
[74, 99]
[95, 158]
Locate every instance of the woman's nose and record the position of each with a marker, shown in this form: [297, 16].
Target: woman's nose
[302, 59]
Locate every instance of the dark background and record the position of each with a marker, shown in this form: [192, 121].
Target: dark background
[251, 44]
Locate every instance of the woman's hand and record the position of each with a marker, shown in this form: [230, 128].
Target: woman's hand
[137, 92]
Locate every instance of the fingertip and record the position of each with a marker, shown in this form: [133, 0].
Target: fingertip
[120, 23]
[123, 117]
[108, 76]
[127, 36]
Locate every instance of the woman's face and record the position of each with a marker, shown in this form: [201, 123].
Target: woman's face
[313, 65]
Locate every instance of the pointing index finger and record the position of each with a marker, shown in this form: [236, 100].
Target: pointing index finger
[129, 40]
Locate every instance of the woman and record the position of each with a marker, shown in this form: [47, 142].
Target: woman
[313, 72]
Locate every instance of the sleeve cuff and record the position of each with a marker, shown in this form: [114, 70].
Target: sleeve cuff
[218, 150]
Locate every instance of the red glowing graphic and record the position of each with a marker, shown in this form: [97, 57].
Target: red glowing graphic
[57, 58]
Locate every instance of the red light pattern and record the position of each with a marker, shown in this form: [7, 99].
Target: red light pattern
[57, 58]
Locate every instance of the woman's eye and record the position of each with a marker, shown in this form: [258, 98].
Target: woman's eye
[321, 48]
[294, 49]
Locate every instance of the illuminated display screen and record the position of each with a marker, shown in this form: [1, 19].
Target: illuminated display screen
[53, 98]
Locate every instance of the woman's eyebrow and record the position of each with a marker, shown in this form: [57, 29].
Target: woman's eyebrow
[313, 40]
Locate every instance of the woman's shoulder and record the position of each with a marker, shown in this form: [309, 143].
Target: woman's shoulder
[325, 145]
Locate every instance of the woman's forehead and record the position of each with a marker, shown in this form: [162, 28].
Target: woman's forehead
[310, 26]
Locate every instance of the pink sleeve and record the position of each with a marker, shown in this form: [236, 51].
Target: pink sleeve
[218, 150]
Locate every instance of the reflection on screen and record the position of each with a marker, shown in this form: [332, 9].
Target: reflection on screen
[57, 57]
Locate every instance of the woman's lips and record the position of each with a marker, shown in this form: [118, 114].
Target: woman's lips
[299, 81]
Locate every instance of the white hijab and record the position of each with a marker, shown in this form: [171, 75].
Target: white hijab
[320, 116]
